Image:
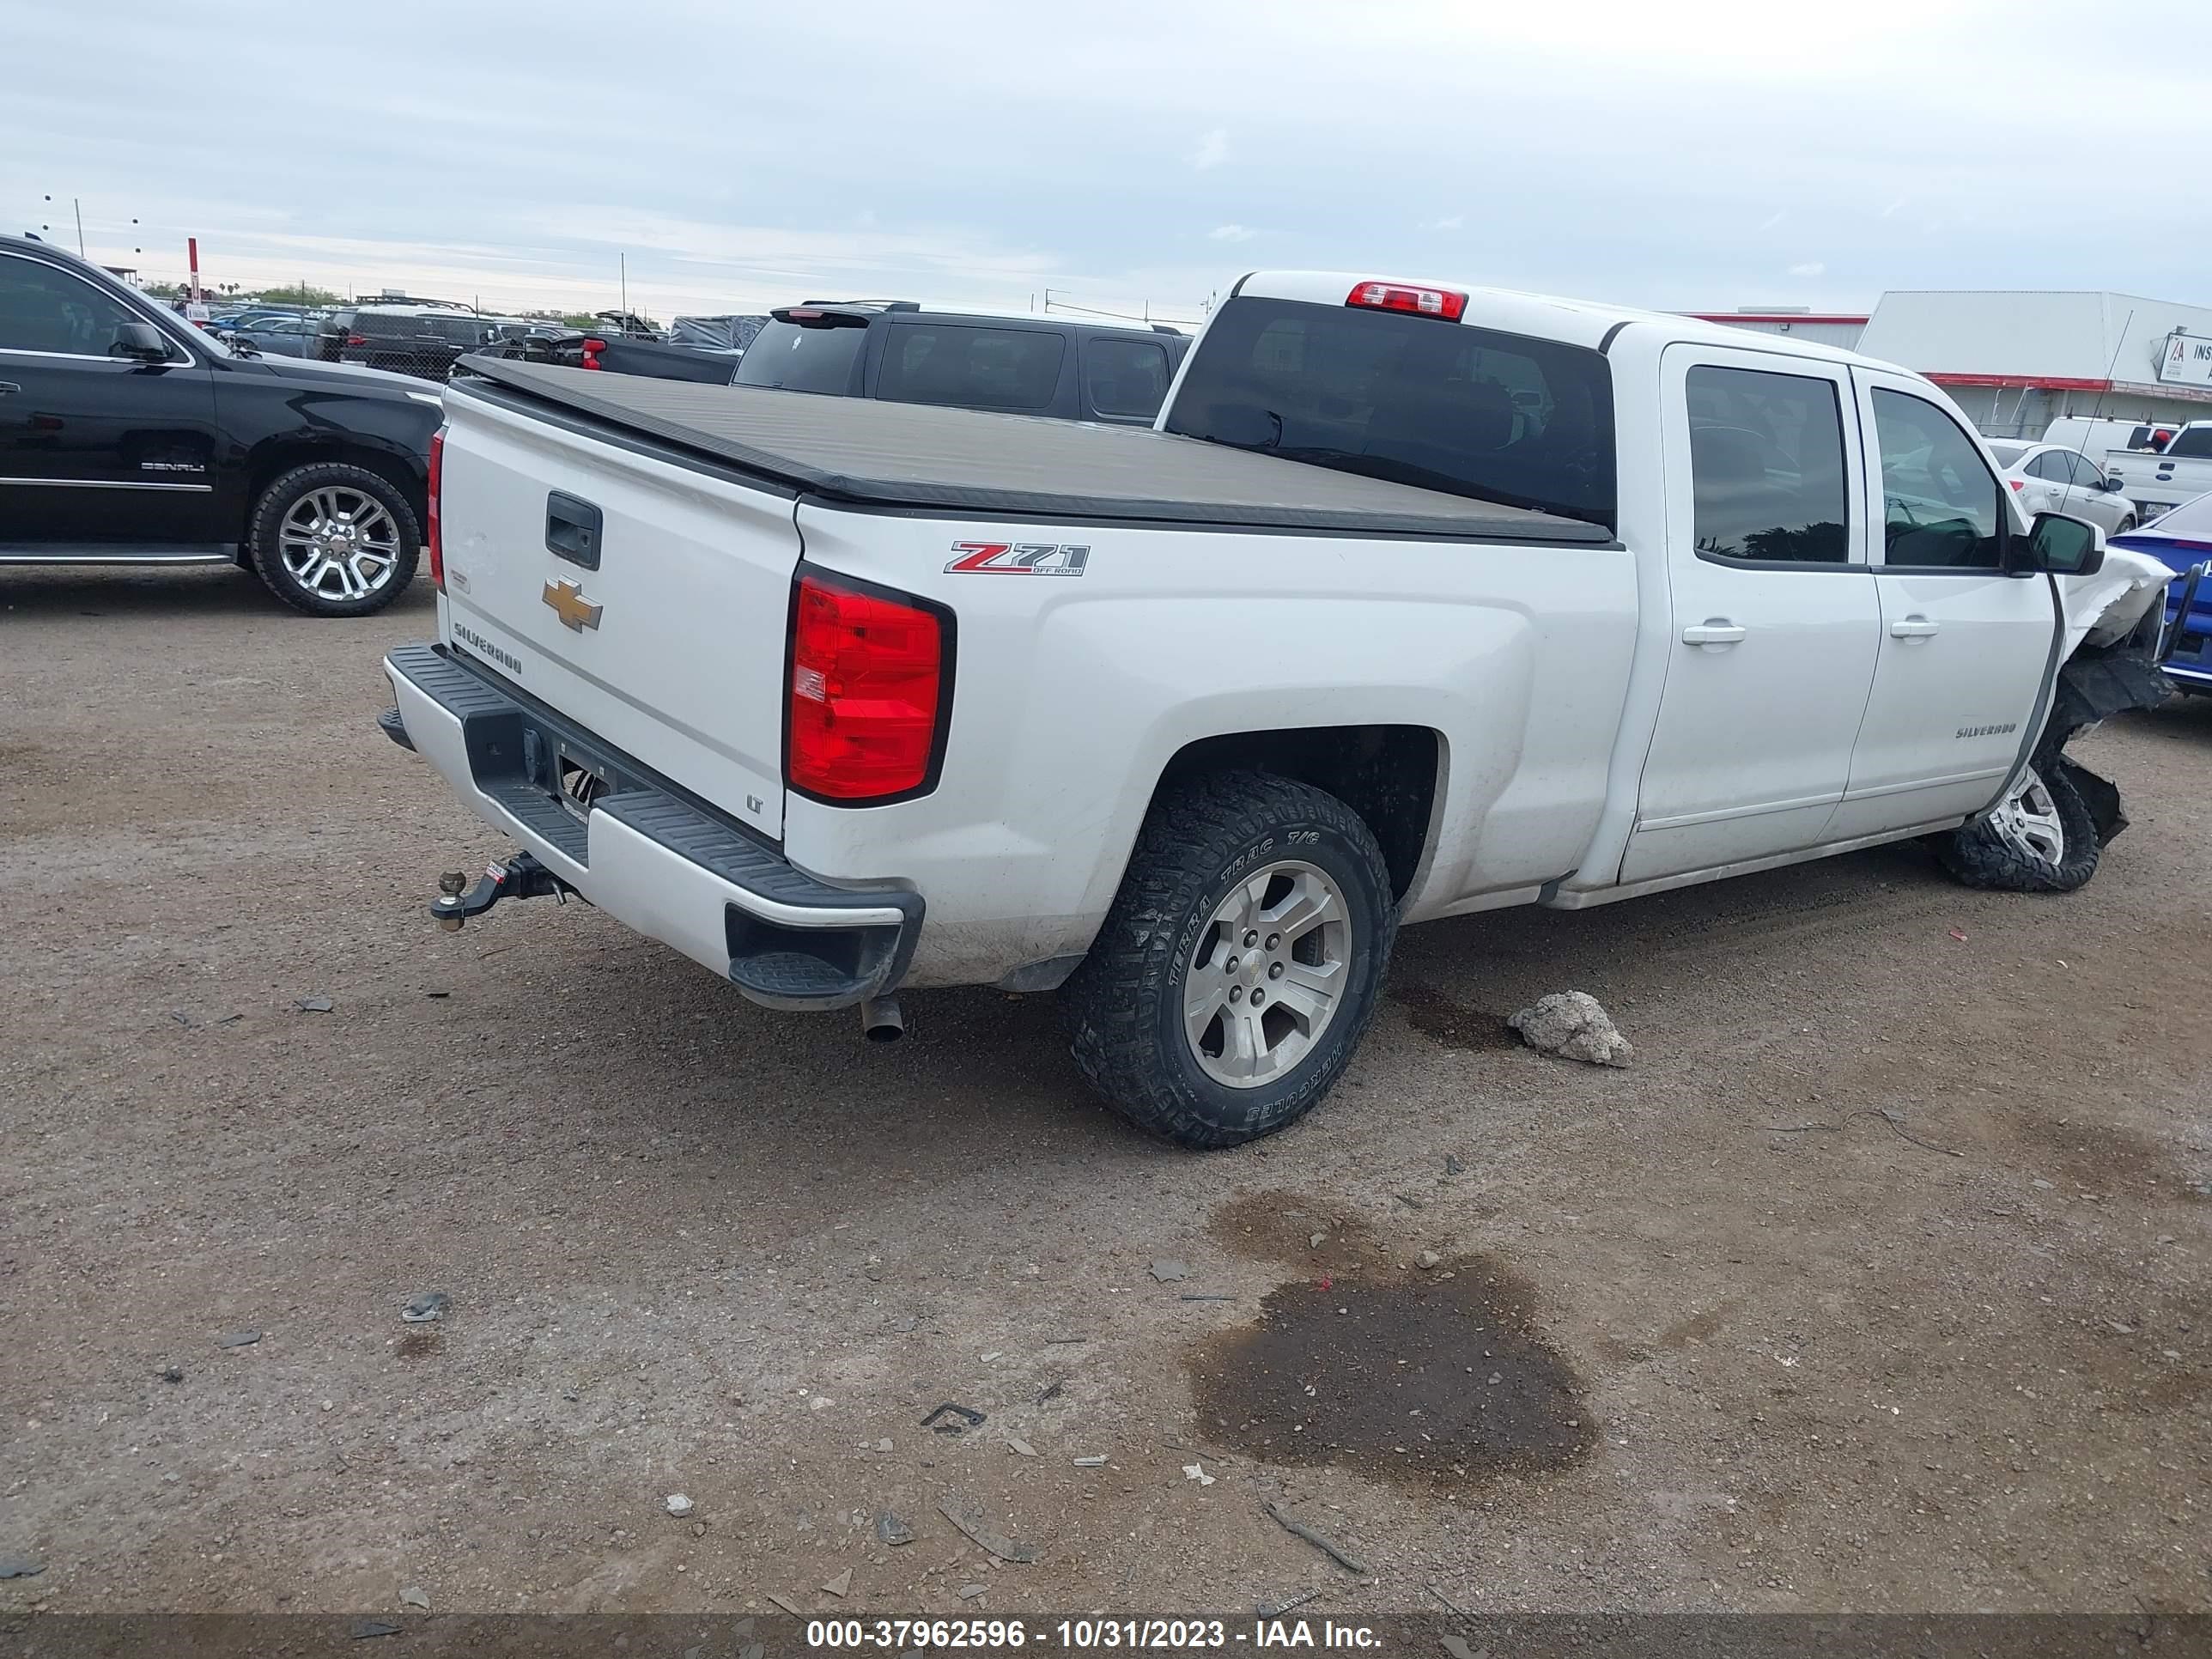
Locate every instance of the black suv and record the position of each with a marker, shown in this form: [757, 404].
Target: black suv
[128, 436]
[1021, 365]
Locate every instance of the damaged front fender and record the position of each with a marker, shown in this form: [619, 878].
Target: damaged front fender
[2112, 622]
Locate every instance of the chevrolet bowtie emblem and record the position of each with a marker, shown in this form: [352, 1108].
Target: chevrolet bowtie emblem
[576, 613]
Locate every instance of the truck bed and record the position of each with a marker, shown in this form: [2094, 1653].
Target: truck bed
[864, 452]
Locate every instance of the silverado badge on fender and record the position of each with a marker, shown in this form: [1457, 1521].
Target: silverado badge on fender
[576, 613]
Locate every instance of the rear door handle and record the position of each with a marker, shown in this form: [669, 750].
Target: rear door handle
[1912, 628]
[1714, 630]
[7, 386]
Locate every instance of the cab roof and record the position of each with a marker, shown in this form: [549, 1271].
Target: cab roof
[1541, 316]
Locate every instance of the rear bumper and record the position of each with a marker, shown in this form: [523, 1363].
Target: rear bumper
[656, 859]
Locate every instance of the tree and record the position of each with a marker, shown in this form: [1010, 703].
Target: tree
[302, 293]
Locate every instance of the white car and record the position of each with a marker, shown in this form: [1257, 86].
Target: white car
[2052, 478]
[1421, 601]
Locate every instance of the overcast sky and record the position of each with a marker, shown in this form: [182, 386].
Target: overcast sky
[1690, 154]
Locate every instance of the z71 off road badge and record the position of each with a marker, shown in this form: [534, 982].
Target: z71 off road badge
[1017, 559]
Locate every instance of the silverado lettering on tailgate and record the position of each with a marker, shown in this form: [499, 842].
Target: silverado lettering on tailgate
[477, 643]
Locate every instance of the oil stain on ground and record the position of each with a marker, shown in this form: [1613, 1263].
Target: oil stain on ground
[1444, 1020]
[1419, 1377]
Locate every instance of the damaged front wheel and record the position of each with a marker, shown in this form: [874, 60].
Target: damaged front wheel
[2040, 838]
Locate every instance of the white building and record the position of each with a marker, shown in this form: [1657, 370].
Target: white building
[2016, 361]
[1834, 328]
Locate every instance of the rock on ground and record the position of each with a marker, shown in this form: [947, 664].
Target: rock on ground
[1571, 1024]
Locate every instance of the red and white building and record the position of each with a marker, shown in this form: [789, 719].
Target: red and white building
[2015, 360]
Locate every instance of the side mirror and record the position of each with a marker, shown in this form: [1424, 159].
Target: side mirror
[2111, 486]
[2064, 546]
[142, 342]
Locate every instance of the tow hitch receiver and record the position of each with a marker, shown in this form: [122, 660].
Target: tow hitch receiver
[520, 876]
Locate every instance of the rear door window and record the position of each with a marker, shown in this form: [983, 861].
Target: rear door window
[1127, 379]
[2195, 444]
[973, 367]
[799, 358]
[2051, 466]
[1766, 466]
[1495, 416]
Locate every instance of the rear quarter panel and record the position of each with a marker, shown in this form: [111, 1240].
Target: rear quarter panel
[1073, 693]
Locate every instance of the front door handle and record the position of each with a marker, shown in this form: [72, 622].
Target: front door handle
[1714, 631]
[1912, 628]
[7, 386]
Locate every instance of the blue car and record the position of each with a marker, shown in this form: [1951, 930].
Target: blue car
[2182, 541]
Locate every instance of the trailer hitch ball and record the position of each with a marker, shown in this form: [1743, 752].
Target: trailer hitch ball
[450, 886]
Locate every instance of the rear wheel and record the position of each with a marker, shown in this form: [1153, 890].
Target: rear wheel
[1241, 961]
[334, 540]
[2039, 839]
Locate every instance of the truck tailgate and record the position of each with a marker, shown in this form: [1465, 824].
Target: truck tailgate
[646, 601]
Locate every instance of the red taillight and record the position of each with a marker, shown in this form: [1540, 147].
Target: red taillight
[356, 339]
[866, 679]
[436, 548]
[2017, 484]
[1399, 296]
[590, 351]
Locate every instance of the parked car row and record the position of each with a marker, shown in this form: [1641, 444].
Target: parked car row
[900, 352]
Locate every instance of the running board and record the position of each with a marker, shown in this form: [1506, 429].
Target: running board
[1583, 900]
[79, 553]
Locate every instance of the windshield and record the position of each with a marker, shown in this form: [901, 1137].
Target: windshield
[2007, 453]
[1499, 417]
[798, 358]
[2192, 521]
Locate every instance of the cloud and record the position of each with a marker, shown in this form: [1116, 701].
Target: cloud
[723, 201]
[1810, 268]
[1231, 233]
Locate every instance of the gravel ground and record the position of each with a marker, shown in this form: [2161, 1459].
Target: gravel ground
[1878, 1282]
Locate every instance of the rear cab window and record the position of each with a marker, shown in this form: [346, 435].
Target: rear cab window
[1497, 417]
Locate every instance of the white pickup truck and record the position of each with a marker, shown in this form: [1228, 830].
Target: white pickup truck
[2158, 481]
[1419, 601]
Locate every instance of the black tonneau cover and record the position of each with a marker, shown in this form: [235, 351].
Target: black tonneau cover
[864, 453]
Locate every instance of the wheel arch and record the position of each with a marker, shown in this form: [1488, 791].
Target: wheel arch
[272, 458]
[1390, 774]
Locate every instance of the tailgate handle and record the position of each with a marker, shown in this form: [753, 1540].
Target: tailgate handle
[572, 529]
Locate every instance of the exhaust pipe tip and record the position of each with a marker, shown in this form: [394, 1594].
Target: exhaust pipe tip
[881, 1019]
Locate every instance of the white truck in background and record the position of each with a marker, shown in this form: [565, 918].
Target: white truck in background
[1421, 600]
[2158, 481]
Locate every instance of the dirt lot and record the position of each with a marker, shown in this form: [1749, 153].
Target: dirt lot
[1878, 1283]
